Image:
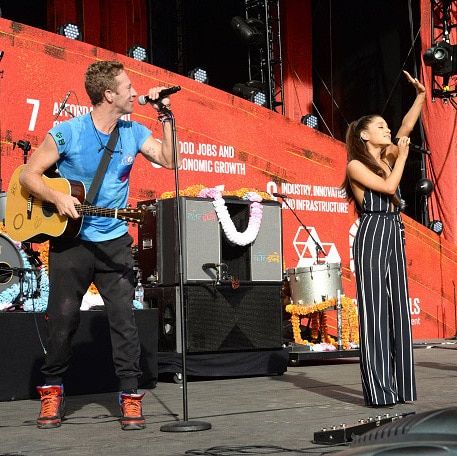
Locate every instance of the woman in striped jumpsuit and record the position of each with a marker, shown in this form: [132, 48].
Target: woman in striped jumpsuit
[375, 167]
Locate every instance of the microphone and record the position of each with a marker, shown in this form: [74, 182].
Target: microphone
[279, 195]
[64, 102]
[209, 266]
[413, 147]
[143, 99]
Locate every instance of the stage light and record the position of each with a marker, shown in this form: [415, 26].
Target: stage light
[259, 98]
[442, 57]
[424, 186]
[250, 31]
[436, 226]
[138, 53]
[199, 75]
[70, 31]
[253, 91]
[310, 120]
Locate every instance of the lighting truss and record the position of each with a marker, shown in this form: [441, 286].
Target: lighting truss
[444, 77]
[265, 62]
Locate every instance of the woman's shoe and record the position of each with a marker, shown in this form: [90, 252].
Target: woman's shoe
[381, 405]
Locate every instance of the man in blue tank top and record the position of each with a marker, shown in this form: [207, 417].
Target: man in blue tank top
[101, 253]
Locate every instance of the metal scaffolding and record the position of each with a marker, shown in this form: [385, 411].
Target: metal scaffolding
[265, 60]
[444, 84]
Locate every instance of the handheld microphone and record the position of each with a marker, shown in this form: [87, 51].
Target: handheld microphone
[279, 195]
[143, 99]
[209, 266]
[64, 102]
[413, 147]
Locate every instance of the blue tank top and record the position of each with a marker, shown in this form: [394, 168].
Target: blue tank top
[80, 154]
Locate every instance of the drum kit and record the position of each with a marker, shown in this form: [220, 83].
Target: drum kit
[318, 283]
[313, 284]
[13, 270]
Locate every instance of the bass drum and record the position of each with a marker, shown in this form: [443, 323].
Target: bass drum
[314, 284]
[10, 260]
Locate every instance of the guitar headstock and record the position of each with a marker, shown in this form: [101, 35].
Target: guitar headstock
[130, 214]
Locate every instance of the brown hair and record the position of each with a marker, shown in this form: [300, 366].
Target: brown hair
[357, 150]
[100, 76]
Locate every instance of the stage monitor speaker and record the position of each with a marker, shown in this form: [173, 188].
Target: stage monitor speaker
[219, 319]
[428, 433]
[205, 244]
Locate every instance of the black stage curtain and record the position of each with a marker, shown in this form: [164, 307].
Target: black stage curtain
[91, 370]
[228, 364]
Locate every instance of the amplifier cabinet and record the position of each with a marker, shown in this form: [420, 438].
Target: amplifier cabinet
[204, 243]
[219, 318]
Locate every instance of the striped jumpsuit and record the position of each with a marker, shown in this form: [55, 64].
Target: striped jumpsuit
[386, 354]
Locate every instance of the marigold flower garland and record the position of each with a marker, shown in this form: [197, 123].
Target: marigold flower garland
[319, 321]
[194, 190]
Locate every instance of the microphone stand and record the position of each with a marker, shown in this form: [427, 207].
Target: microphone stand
[185, 425]
[317, 245]
[19, 300]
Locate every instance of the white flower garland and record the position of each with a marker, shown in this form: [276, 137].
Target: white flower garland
[255, 216]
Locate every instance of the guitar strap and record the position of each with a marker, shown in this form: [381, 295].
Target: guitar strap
[101, 170]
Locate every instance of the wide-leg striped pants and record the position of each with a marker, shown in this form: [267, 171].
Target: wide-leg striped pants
[386, 353]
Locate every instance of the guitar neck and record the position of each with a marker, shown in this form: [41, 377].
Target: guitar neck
[88, 209]
[127, 214]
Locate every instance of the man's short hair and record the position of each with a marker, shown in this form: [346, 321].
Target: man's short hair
[100, 76]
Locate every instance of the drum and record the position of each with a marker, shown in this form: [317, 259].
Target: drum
[314, 284]
[10, 260]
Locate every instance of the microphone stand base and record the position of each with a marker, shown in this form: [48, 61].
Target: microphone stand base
[186, 426]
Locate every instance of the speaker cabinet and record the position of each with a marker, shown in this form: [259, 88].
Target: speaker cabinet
[204, 243]
[219, 319]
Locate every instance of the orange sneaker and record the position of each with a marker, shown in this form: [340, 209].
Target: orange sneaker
[52, 406]
[131, 410]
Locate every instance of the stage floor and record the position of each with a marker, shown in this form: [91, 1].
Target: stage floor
[280, 411]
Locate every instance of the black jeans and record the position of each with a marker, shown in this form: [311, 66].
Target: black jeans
[73, 265]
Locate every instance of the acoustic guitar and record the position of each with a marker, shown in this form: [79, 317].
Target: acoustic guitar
[30, 219]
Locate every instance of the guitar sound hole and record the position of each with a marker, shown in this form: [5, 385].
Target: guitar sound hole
[48, 212]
